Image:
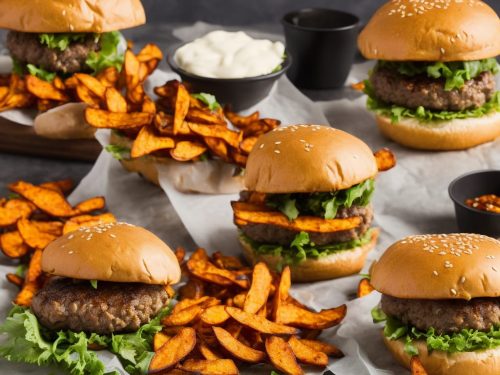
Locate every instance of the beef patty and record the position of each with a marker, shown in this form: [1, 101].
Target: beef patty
[272, 234]
[26, 48]
[112, 307]
[412, 92]
[445, 316]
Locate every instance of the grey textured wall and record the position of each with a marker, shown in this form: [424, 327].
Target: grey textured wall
[247, 12]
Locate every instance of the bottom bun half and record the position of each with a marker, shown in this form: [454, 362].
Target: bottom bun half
[457, 134]
[443, 363]
[343, 263]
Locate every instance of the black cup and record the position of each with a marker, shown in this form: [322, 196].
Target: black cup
[472, 185]
[322, 43]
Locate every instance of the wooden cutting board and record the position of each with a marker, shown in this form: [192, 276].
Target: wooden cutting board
[20, 139]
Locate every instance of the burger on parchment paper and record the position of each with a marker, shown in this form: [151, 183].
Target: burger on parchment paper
[106, 289]
[434, 86]
[441, 301]
[308, 202]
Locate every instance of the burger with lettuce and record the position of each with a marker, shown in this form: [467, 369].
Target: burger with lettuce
[433, 86]
[441, 302]
[308, 203]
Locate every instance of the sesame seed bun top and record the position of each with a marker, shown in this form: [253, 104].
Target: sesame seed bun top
[118, 252]
[431, 30]
[440, 266]
[307, 159]
[70, 16]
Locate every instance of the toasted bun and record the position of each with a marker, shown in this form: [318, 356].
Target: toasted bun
[440, 266]
[448, 135]
[442, 363]
[308, 158]
[340, 264]
[454, 30]
[70, 16]
[118, 252]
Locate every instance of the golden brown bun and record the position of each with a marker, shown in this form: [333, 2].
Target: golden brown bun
[70, 16]
[340, 264]
[428, 267]
[308, 158]
[442, 363]
[118, 252]
[445, 136]
[435, 31]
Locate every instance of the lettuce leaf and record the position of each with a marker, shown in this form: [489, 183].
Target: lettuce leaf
[427, 116]
[207, 99]
[302, 247]
[321, 204]
[455, 73]
[40, 72]
[28, 342]
[108, 55]
[118, 152]
[467, 340]
[61, 41]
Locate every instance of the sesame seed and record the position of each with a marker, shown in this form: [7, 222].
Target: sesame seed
[494, 269]
[277, 142]
[112, 235]
[70, 252]
[462, 280]
[70, 237]
[277, 151]
[442, 50]
[435, 273]
[453, 291]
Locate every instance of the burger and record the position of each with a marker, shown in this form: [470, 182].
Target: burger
[441, 301]
[106, 288]
[307, 202]
[433, 86]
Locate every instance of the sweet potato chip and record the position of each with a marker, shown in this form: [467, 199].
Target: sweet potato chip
[181, 107]
[232, 138]
[241, 121]
[259, 323]
[159, 339]
[306, 354]
[320, 346]
[32, 281]
[77, 222]
[364, 288]
[89, 205]
[115, 102]
[99, 118]
[47, 200]
[174, 351]
[302, 223]
[296, 316]
[13, 245]
[148, 141]
[14, 209]
[206, 367]
[207, 352]
[62, 186]
[44, 90]
[15, 279]
[214, 315]
[207, 271]
[416, 366]
[32, 235]
[248, 144]
[187, 150]
[93, 84]
[385, 159]
[237, 348]
[259, 290]
[281, 356]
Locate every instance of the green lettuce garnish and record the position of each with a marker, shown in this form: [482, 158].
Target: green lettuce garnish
[118, 152]
[108, 55]
[207, 99]
[40, 72]
[424, 115]
[455, 73]
[93, 283]
[321, 204]
[61, 41]
[27, 341]
[467, 340]
[302, 247]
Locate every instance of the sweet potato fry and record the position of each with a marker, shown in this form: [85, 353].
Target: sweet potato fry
[217, 146]
[358, 86]
[232, 138]
[187, 150]
[306, 354]
[237, 348]
[293, 315]
[93, 84]
[227, 261]
[115, 102]
[76, 222]
[207, 352]
[302, 223]
[215, 315]
[194, 289]
[206, 367]
[180, 254]
[89, 205]
[183, 317]
[259, 290]
[13, 245]
[238, 158]
[247, 144]
[259, 323]
[44, 90]
[159, 339]
[31, 281]
[150, 52]
[71, 82]
[87, 96]
[148, 141]
[32, 236]
[148, 105]
[99, 118]
[364, 288]
[281, 293]
[52, 227]
[4, 91]
[181, 107]
[109, 76]
[174, 351]
[62, 186]
[241, 121]
[207, 271]
[281, 356]
[320, 346]
[260, 127]
[15, 279]
[14, 209]
[131, 68]
[416, 366]
[385, 159]
[204, 302]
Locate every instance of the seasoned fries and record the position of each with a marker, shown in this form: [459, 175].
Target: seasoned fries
[364, 288]
[416, 366]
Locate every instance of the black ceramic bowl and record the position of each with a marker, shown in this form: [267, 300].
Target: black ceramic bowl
[239, 93]
[471, 185]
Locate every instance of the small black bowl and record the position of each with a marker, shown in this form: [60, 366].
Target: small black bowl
[239, 93]
[472, 185]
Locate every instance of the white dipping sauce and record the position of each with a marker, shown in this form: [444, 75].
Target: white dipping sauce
[223, 54]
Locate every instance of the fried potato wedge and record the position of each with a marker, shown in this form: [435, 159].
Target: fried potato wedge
[183, 317]
[240, 121]
[416, 366]
[293, 315]
[364, 288]
[237, 348]
[207, 352]
[215, 315]
[187, 150]
[227, 261]
[160, 339]
[258, 293]
[150, 52]
[32, 236]
[89, 205]
[115, 102]
[193, 289]
[108, 77]
[306, 354]
[205, 116]
[385, 159]
[217, 146]
[14, 209]
[92, 83]
[32, 281]
[77, 222]
[181, 107]
[62, 186]
[52, 227]
[44, 90]
[259, 323]
[148, 141]
[207, 271]
[281, 293]
[320, 346]
[248, 144]
[232, 138]
[100, 118]
[15, 279]
[173, 351]
[85, 95]
[13, 245]
[206, 367]
[205, 302]
[281, 356]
